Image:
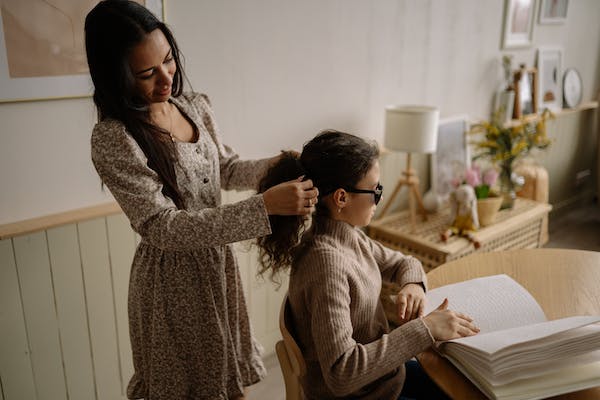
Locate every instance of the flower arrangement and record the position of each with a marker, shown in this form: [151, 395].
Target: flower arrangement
[504, 144]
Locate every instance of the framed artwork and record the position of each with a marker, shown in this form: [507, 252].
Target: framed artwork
[553, 11]
[518, 23]
[525, 82]
[34, 67]
[452, 155]
[549, 62]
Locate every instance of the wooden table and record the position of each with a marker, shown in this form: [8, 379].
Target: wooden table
[564, 283]
[521, 227]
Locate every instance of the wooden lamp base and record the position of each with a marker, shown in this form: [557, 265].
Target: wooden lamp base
[411, 180]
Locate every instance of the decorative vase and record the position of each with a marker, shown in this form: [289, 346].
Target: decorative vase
[431, 201]
[507, 185]
[487, 209]
[504, 103]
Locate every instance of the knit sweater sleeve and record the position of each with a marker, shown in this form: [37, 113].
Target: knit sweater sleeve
[395, 266]
[346, 365]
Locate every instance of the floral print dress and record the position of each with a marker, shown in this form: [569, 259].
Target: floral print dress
[189, 327]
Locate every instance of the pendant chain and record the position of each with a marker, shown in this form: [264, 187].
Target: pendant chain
[171, 123]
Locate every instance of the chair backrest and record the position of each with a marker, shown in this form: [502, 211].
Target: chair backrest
[290, 357]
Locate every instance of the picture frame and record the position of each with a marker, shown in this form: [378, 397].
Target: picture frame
[553, 11]
[525, 83]
[518, 24]
[31, 67]
[452, 156]
[549, 65]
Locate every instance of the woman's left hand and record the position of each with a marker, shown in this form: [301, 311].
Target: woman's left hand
[411, 302]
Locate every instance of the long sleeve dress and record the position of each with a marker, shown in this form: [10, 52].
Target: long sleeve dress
[339, 320]
[188, 323]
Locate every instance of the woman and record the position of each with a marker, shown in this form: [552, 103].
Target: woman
[336, 277]
[158, 150]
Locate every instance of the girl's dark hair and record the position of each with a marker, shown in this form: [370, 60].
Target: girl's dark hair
[333, 160]
[112, 29]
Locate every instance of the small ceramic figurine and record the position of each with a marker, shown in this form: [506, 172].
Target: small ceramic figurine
[463, 212]
[431, 201]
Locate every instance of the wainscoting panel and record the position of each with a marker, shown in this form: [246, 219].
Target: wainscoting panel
[63, 309]
[99, 289]
[121, 244]
[16, 372]
[39, 306]
[65, 261]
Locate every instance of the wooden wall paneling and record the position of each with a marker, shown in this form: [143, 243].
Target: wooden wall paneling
[16, 372]
[275, 298]
[65, 261]
[37, 293]
[101, 307]
[245, 271]
[121, 243]
[259, 305]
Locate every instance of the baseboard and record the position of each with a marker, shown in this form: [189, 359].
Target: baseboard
[568, 204]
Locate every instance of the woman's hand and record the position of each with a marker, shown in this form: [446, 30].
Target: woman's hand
[411, 302]
[446, 324]
[295, 197]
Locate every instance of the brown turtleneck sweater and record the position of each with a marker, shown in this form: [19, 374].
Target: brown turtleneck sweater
[339, 320]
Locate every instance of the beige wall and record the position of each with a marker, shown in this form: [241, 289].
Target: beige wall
[279, 71]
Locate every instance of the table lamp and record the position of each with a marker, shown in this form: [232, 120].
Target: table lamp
[410, 129]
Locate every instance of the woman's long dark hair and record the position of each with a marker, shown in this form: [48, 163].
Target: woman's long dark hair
[333, 160]
[112, 29]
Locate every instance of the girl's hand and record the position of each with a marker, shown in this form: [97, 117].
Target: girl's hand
[446, 324]
[296, 197]
[411, 302]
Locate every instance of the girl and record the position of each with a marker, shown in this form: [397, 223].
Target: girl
[336, 276]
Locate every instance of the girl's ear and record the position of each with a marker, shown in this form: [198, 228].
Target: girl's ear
[340, 197]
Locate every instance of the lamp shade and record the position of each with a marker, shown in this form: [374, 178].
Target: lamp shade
[412, 129]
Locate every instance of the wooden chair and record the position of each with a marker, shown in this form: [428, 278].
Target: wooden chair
[291, 360]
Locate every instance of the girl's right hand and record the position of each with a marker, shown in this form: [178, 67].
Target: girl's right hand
[295, 197]
[446, 324]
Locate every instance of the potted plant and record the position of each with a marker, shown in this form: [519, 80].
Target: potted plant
[488, 201]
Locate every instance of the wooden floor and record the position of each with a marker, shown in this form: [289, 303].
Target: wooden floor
[577, 229]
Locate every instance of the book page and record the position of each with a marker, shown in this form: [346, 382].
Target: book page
[533, 335]
[494, 302]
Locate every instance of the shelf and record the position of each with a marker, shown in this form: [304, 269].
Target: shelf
[590, 105]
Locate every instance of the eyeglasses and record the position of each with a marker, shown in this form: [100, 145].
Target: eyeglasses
[377, 193]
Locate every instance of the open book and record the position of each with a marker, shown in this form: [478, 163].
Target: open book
[518, 353]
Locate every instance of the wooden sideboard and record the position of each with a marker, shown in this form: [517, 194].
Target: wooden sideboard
[517, 228]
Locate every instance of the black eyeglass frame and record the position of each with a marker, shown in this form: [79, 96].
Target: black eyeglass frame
[377, 193]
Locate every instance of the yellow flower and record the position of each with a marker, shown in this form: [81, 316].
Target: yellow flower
[518, 148]
[501, 144]
[488, 144]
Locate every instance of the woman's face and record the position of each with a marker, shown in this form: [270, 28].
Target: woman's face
[153, 67]
[360, 207]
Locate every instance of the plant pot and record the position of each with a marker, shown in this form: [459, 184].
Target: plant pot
[487, 209]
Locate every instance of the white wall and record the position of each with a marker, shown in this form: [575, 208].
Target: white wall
[279, 71]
